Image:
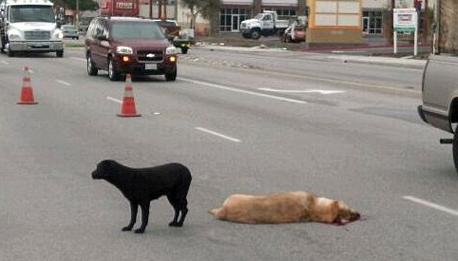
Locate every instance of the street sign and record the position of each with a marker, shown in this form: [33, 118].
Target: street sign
[405, 19]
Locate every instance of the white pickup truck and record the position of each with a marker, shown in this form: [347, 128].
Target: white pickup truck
[266, 23]
[29, 26]
[440, 97]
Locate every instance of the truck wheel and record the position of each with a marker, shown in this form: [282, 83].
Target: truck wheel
[113, 75]
[60, 53]
[90, 66]
[455, 148]
[255, 34]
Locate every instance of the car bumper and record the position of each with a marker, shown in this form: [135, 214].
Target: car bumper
[421, 113]
[138, 68]
[38, 46]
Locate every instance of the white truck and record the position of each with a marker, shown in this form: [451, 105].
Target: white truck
[29, 26]
[265, 23]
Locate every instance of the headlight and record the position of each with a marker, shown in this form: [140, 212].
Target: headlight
[171, 50]
[14, 35]
[124, 50]
[58, 34]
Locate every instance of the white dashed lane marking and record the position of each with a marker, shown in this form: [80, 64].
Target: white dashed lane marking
[63, 82]
[431, 205]
[218, 134]
[113, 99]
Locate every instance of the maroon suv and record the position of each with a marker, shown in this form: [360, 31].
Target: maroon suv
[122, 45]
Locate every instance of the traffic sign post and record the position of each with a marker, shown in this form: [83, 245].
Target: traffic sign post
[405, 20]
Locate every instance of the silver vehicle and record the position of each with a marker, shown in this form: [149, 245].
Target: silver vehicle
[70, 31]
[29, 26]
[440, 97]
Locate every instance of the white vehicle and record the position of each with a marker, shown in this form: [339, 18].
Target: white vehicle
[265, 24]
[29, 26]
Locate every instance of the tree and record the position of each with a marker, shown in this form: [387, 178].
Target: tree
[209, 9]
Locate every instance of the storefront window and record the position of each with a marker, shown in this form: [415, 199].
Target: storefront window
[372, 22]
[230, 18]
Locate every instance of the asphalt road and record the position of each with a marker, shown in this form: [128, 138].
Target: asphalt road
[323, 129]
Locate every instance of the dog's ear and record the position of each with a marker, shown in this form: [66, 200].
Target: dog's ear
[325, 210]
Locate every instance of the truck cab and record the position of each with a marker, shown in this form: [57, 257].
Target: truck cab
[27, 26]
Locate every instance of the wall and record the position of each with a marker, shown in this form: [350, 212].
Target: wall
[448, 35]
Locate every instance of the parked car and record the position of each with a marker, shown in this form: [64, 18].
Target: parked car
[294, 34]
[132, 45]
[70, 31]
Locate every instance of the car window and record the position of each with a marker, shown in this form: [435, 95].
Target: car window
[135, 30]
[91, 29]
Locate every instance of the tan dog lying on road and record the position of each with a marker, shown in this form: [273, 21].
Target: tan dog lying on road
[285, 207]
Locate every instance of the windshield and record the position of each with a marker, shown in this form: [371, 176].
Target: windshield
[259, 16]
[133, 30]
[32, 13]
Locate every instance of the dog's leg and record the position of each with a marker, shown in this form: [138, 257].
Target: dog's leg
[133, 216]
[183, 206]
[145, 214]
[173, 202]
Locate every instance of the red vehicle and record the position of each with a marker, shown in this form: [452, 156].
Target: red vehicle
[122, 45]
[119, 8]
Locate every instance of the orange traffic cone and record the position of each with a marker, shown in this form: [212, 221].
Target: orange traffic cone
[128, 102]
[27, 91]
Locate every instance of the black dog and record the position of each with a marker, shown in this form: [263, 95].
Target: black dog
[140, 186]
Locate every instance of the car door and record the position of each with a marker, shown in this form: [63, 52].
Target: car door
[97, 50]
[92, 42]
[104, 44]
[267, 22]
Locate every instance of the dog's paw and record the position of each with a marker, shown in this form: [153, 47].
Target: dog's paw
[173, 224]
[139, 231]
[126, 228]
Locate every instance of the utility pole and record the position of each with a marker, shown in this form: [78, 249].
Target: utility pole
[77, 15]
[426, 23]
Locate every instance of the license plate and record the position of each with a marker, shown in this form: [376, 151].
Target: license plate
[150, 66]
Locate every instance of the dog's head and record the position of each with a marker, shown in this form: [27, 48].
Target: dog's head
[333, 211]
[104, 169]
[345, 214]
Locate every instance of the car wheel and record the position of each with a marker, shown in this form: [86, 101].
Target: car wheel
[90, 66]
[60, 53]
[113, 75]
[171, 76]
[184, 50]
[77, 38]
[455, 148]
[255, 34]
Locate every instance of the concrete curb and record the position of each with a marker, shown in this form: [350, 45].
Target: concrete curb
[387, 61]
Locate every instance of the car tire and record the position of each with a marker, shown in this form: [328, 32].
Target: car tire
[184, 50]
[255, 34]
[113, 75]
[77, 38]
[90, 66]
[171, 76]
[455, 149]
[60, 54]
